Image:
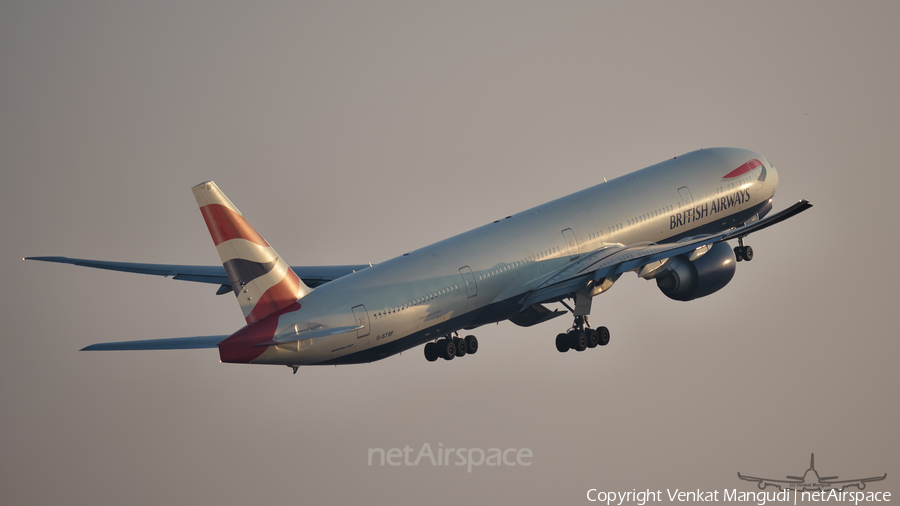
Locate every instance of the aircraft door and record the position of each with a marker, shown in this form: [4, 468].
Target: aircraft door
[471, 288]
[362, 318]
[572, 243]
[686, 196]
[761, 178]
[469, 280]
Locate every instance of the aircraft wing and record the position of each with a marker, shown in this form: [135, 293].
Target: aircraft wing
[749, 478]
[312, 276]
[854, 482]
[765, 480]
[616, 259]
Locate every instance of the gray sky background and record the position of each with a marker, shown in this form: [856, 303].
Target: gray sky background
[355, 132]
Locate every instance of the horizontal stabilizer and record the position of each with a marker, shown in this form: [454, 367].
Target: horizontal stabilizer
[174, 343]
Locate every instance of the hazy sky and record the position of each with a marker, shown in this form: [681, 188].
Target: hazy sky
[354, 132]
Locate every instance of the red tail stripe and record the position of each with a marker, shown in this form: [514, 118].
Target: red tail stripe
[276, 298]
[743, 169]
[244, 346]
[225, 225]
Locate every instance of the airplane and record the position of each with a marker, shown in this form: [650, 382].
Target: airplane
[811, 480]
[669, 222]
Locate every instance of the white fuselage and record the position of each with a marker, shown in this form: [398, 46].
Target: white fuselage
[423, 295]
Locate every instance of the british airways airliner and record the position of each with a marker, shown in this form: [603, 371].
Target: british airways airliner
[669, 222]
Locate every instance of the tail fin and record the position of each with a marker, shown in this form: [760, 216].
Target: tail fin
[262, 281]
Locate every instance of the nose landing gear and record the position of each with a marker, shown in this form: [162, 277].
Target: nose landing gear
[581, 336]
[742, 252]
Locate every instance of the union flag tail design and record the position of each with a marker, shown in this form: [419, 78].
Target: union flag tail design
[261, 279]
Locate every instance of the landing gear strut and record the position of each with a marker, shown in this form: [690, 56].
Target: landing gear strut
[742, 252]
[451, 346]
[581, 336]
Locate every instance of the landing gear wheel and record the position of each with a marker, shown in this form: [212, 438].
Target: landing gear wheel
[471, 344]
[562, 343]
[460, 346]
[431, 352]
[578, 341]
[592, 338]
[603, 336]
[446, 349]
[742, 252]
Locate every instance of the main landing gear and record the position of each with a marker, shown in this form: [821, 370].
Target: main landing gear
[742, 252]
[449, 347]
[582, 336]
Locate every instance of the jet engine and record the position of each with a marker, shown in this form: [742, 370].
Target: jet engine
[686, 280]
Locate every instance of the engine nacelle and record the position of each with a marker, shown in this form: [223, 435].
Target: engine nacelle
[686, 280]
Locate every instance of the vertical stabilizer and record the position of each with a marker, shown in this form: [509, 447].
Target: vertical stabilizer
[261, 279]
